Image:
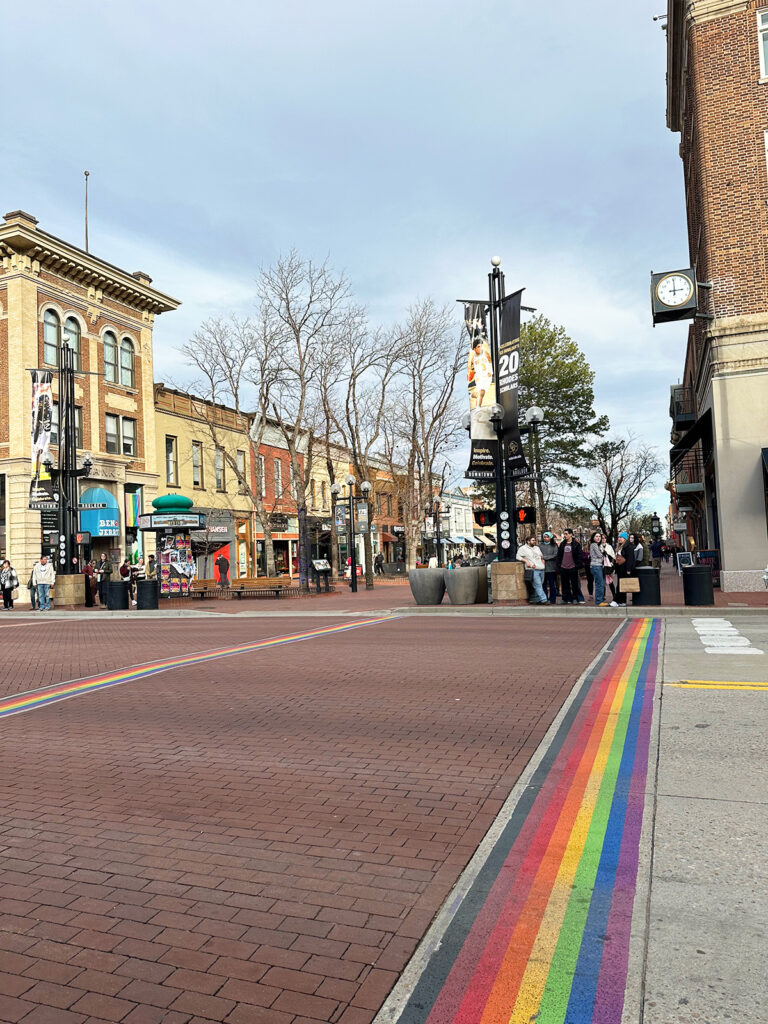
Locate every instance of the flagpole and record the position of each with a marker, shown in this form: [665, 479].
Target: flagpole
[86, 173]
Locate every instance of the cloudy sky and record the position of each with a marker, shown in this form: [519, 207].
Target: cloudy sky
[409, 140]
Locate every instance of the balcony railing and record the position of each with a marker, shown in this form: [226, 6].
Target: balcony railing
[687, 473]
[681, 408]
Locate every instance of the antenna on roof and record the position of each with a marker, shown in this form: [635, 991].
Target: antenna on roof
[86, 173]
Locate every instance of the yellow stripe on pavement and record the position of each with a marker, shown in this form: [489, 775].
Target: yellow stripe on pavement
[717, 684]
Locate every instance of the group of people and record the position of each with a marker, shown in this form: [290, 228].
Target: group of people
[554, 566]
[98, 576]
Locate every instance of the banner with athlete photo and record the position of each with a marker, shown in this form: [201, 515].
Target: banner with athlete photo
[482, 394]
[509, 374]
[42, 495]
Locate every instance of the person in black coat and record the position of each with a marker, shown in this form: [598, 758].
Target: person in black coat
[569, 559]
[625, 563]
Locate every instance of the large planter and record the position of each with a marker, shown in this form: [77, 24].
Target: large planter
[427, 585]
[462, 585]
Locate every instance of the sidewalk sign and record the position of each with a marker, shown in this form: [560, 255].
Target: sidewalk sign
[683, 558]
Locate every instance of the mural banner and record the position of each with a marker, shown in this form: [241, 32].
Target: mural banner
[509, 373]
[482, 394]
[42, 494]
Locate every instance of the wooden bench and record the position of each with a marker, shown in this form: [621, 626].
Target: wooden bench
[261, 585]
[203, 588]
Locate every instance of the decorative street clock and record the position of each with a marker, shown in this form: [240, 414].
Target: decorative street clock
[674, 295]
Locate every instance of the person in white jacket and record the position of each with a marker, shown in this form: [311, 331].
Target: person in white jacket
[44, 577]
[531, 557]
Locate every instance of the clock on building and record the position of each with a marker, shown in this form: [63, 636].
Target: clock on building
[674, 295]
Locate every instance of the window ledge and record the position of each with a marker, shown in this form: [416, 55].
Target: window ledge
[122, 387]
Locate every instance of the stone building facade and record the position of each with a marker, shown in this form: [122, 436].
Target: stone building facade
[717, 99]
[50, 289]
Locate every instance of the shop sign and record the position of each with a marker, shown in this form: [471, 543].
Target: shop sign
[278, 522]
[173, 520]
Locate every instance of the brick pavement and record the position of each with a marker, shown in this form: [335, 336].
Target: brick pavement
[264, 839]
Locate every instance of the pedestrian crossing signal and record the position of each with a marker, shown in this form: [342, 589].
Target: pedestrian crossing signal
[485, 516]
[527, 515]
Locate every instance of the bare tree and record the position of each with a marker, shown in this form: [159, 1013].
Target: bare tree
[303, 305]
[232, 358]
[624, 469]
[421, 425]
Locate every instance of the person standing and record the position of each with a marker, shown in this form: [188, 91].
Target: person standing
[44, 577]
[88, 574]
[569, 561]
[625, 565]
[32, 587]
[9, 581]
[596, 570]
[657, 551]
[222, 564]
[531, 557]
[548, 549]
[378, 564]
[104, 575]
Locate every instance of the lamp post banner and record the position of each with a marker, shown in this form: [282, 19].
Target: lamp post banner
[509, 375]
[482, 393]
[41, 490]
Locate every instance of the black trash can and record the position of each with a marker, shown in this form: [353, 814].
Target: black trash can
[697, 585]
[117, 597]
[146, 595]
[650, 587]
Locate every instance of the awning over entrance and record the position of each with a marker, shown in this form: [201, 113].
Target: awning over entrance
[100, 522]
[700, 431]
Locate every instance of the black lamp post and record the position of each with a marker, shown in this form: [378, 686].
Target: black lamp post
[349, 501]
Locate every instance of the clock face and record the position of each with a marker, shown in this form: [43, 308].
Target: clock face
[674, 289]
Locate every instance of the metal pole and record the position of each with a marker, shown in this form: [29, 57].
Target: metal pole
[437, 535]
[499, 468]
[86, 173]
[353, 552]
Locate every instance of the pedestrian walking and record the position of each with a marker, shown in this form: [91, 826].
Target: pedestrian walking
[569, 559]
[625, 565]
[378, 565]
[596, 569]
[9, 582]
[32, 587]
[533, 560]
[609, 567]
[548, 548]
[657, 553]
[44, 577]
[104, 570]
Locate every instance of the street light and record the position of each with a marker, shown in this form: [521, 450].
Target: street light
[349, 501]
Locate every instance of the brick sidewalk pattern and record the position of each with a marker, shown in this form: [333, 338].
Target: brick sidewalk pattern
[264, 839]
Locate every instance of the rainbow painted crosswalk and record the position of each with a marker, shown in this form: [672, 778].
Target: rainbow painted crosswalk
[34, 699]
[543, 933]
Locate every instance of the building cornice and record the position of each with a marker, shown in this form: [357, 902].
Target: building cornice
[681, 16]
[24, 246]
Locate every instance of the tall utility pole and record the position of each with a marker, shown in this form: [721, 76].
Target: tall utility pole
[506, 536]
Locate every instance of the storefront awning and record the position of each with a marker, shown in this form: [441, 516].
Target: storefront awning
[474, 540]
[457, 540]
[489, 540]
[100, 522]
[700, 431]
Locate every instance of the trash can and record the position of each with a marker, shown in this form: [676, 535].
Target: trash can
[650, 587]
[697, 585]
[146, 595]
[117, 597]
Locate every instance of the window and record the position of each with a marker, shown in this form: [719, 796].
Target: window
[197, 464]
[72, 339]
[278, 472]
[51, 325]
[78, 425]
[241, 479]
[324, 493]
[378, 504]
[221, 483]
[129, 436]
[389, 505]
[762, 41]
[263, 475]
[171, 462]
[110, 357]
[113, 433]
[127, 372]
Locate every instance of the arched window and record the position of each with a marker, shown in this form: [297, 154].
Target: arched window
[51, 325]
[110, 357]
[72, 339]
[127, 373]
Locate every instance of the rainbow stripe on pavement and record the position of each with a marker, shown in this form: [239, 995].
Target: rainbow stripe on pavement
[543, 933]
[33, 699]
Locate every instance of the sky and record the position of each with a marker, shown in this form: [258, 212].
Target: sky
[408, 141]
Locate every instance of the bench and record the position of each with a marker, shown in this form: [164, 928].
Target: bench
[261, 585]
[203, 588]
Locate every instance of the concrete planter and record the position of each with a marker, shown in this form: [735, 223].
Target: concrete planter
[462, 585]
[427, 585]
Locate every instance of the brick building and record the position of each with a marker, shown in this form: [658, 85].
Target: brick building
[50, 289]
[717, 99]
